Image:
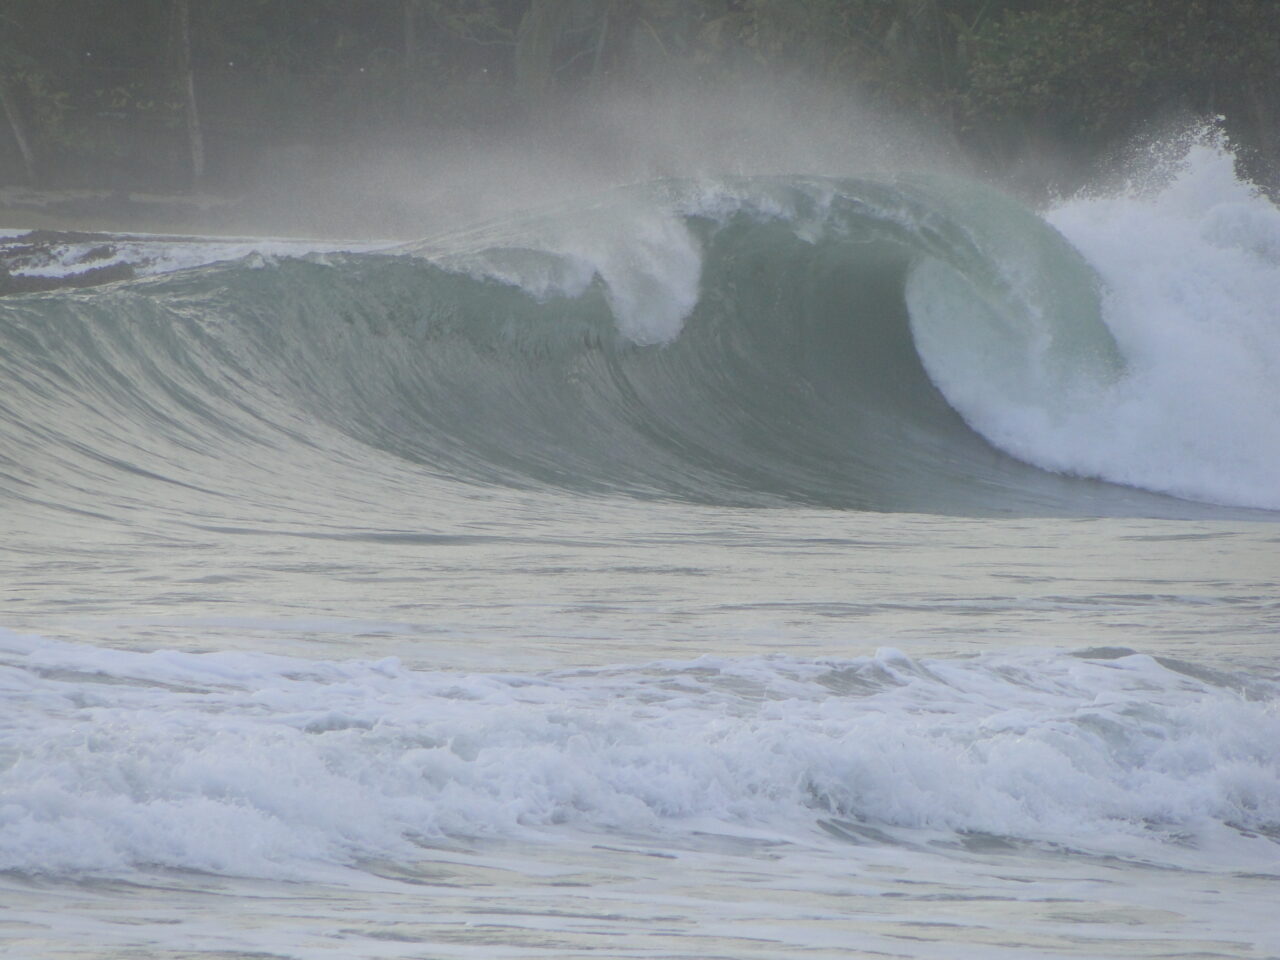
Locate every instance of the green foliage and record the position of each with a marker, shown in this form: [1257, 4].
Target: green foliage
[98, 80]
[1095, 71]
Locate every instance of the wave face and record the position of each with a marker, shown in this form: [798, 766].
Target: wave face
[910, 344]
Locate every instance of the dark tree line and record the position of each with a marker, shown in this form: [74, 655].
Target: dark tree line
[188, 93]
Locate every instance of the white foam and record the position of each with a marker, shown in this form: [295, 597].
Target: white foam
[1192, 284]
[263, 765]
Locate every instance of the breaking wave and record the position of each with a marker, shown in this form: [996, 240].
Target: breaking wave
[904, 344]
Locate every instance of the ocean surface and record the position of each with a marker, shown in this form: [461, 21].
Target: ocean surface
[753, 567]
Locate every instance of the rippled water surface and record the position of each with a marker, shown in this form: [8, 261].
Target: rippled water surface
[769, 568]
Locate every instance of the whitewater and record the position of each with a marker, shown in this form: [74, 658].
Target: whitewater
[754, 566]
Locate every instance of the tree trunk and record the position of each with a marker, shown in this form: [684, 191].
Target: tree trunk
[187, 83]
[1266, 139]
[539, 32]
[19, 128]
[408, 102]
[598, 60]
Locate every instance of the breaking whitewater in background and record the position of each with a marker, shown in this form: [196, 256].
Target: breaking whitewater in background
[525, 578]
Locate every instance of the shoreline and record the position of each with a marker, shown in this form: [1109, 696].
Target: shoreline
[319, 217]
[57, 239]
[35, 261]
[108, 211]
